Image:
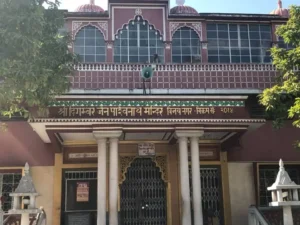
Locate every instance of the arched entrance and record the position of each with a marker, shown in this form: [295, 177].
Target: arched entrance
[143, 194]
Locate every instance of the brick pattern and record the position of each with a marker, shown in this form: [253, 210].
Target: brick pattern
[175, 77]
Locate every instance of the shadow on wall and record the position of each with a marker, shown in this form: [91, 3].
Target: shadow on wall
[268, 144]
[20, 144]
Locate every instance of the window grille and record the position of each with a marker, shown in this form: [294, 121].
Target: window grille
[282, 44]
[239, 43]
[186, 46]
[8, 183]
[90, 45]
[211, 193]
[138, 42]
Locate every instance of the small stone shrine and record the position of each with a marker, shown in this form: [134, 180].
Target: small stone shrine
[285, 194]
[24, 198]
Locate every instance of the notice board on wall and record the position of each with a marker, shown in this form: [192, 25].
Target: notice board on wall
[79, 219]
[82, 192]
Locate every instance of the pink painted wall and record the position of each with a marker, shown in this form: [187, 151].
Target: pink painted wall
[268, 144]
[20, 144]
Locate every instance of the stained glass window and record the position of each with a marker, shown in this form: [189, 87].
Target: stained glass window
[186, 46]
[138, 42]
[239, 43]
[89, 44]
[8, 183]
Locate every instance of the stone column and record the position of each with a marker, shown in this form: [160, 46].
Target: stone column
[101, 137]
[113, 179]
[184, 179]
[101, 179]
[25, 219]
[196, 181]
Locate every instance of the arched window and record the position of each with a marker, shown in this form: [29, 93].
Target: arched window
[90, 45]
[186, 46]
[138, 41]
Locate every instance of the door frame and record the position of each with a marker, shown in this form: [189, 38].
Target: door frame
[130, 157]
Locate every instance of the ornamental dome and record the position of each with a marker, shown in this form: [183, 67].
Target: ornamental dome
[89, 7]
[280, 11]
[181, 9]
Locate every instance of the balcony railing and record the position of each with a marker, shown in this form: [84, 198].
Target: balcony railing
[170, 78]
[175, 67]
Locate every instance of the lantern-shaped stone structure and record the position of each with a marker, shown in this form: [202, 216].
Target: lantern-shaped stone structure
[24, 198]
[285, 194]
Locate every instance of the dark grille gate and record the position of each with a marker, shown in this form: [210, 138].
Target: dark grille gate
[143, 195]
[211, 192]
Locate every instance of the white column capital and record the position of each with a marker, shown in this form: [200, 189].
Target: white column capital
[189, 133]
[107, 134]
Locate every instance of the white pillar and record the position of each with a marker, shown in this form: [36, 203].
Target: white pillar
[25, 219]
[196, 181]
[184, 179]
[287, 215]
[32, 202]
[101, 137]
[101, 181]
[113, 181]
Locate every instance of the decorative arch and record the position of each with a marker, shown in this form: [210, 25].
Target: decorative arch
[160, 162]
[102, 26]
[132, 19]
[186, 45]
[197, 27]
[137, 42]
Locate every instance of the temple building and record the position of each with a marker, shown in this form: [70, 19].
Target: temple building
[162, 124]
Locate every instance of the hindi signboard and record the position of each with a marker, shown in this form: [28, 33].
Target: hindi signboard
[146, 149]
[147, 109]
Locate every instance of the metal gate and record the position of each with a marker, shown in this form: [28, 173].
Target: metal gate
[143, 195]
[211, 193]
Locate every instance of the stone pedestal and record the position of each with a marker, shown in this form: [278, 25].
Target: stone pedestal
[287, 215]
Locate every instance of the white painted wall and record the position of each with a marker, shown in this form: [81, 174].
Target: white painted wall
[242, 192]
[43, 180]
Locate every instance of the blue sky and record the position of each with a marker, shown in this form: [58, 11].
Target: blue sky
[222, 6]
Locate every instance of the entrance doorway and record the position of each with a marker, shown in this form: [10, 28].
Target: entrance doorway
[143, 194]
[79, 198]
[211, 194]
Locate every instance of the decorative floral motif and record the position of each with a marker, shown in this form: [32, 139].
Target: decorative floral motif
[146, 103]
[103, 25]
[204, 45]
[138, 11]
[162, 163]
[198, 27]
[173, 26]
[76, 25]
[109, 44]
[136, 120]
[125, 162]
[168, 45]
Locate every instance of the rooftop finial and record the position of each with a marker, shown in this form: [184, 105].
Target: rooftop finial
[26, 168]
[281, 166]
[279, 4]
[180, 2]
[92, 2]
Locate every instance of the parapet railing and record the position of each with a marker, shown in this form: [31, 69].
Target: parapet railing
[174, 67]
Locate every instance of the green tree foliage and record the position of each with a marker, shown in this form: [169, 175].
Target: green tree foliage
[35, 62]
[282, 101]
